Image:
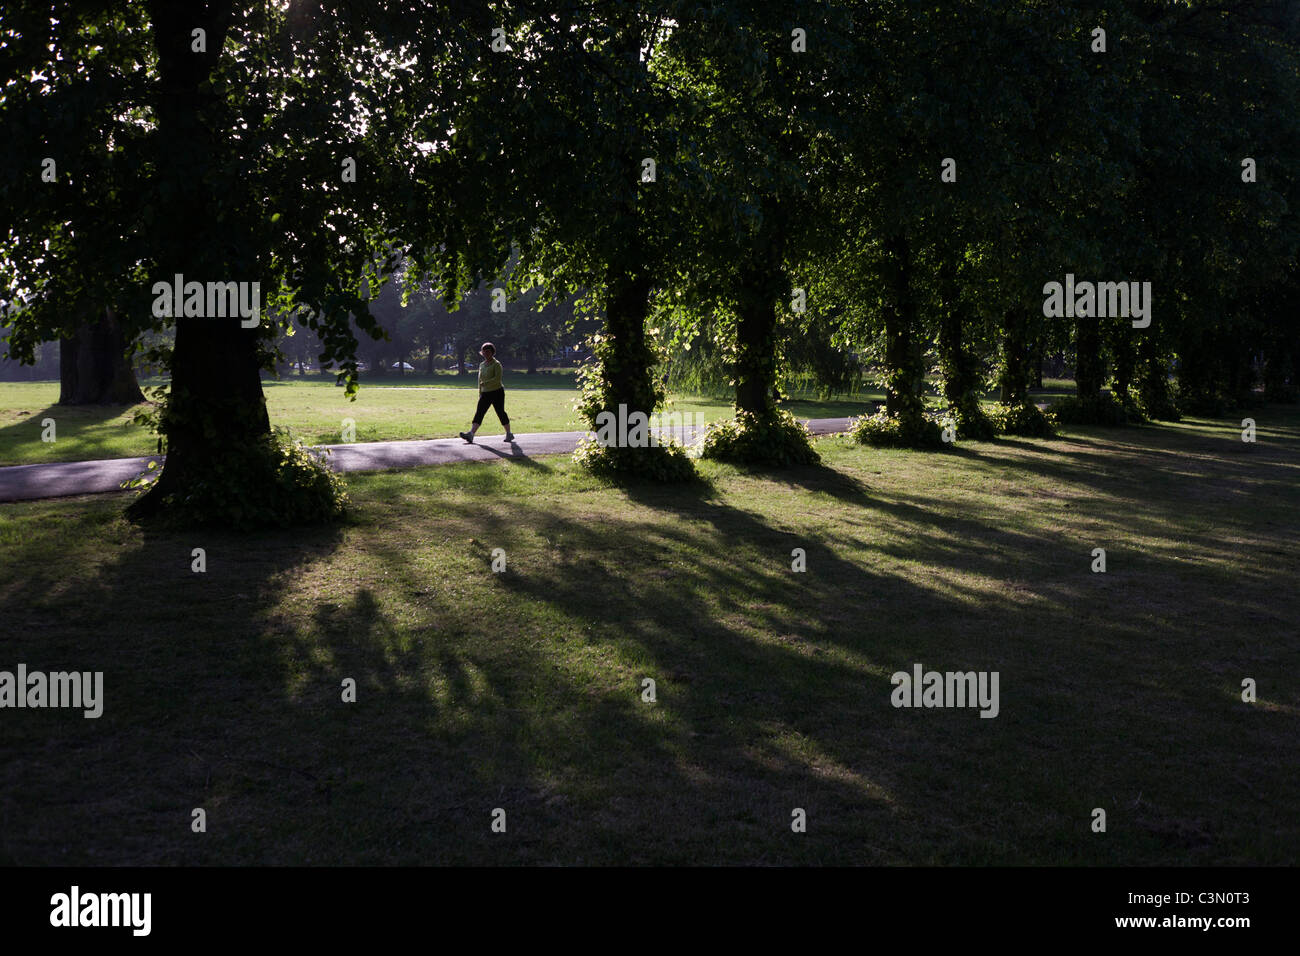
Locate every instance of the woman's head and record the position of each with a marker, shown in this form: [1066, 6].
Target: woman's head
[488, 350]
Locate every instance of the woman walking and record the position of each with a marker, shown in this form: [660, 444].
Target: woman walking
[491, 393]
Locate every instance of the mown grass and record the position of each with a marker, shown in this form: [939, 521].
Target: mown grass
[314, 409]
[522, 690]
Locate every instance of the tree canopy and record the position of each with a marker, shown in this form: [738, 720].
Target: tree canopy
[768, 183]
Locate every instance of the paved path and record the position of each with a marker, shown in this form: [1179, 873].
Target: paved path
[55, 480]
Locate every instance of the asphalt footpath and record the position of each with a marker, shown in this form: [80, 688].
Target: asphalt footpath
[61, 479]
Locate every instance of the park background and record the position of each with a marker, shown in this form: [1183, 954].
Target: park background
[851, 210]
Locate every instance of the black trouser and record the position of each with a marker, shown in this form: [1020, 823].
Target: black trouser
[495, 399]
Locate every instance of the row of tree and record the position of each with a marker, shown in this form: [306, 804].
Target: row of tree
[778, 181]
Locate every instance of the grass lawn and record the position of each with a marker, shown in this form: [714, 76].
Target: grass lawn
[314, 410]
[522, 690]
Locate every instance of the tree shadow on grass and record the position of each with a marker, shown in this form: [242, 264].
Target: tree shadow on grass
[1164, 458]
[775, 683]
[819, 480]
[798, 663]
[81, 426]
[190, 676]
[222, 698]
[1058, 596]
[517, 457]
[524, 690]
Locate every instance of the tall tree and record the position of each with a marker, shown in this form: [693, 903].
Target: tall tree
[224, 142]
[562, 127]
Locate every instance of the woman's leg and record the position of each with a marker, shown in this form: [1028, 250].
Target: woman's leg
[499, 403]
[484, 403]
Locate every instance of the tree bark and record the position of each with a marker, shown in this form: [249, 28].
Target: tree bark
[626, 364]
[905, 376]
[755, 351]
[762, 281]
[215, 408]
[1089, 368]
[626, 360]
[1013, 382]
[962, 378]
[93, 369]
[1153, 381]
[958, 378]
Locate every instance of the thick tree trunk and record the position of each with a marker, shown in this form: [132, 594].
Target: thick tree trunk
[962, 381]
[756, 352]
[1089, 369]
[626, 364]
[762, 284]
[905, 375]
[216, 410]
[1013, 382]
[958, 378]
[626, 359]
[1153, 381]
[216, 399]
[93, 369]
[531, 355]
